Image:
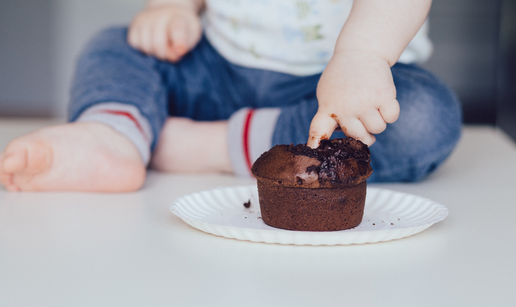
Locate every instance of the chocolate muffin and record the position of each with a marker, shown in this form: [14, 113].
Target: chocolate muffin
[320, 189]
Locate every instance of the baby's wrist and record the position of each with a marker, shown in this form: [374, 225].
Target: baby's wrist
[362, 55]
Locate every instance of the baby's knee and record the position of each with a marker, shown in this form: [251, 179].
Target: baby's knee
[425, 134]
[410, 153]
[430, 111]
[112, 39]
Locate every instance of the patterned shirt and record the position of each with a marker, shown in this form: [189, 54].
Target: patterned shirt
[290, 36]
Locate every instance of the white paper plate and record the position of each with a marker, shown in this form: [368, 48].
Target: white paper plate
[388, 215]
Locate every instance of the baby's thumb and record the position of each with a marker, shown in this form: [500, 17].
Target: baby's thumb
[321, 128]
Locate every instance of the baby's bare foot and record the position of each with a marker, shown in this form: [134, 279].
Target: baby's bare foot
[89, 157]
[189, 146]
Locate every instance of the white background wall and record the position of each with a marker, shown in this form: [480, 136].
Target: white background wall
[25, 55]
[39, 44]
[74, 23]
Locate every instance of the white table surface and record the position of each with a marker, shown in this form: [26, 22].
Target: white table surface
[85, 249]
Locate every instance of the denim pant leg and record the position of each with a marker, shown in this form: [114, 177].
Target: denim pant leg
[109, 70]
[202, 86]
[409, 149]
[427, 130]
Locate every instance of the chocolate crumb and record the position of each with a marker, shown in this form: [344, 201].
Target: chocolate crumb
[247, 204]
[374, 224]
[392, 224]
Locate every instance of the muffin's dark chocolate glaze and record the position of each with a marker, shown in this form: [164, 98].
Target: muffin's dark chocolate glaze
[335, 163]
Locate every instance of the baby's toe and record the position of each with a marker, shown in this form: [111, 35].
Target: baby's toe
[6, 180]
[15, 161]
[27, 157]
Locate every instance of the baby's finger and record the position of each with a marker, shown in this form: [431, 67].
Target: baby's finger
[160, 40]
[390, 110]
[178, 37]
[354, 128]
[134, 37]
[146, 39]
[321, 128]
[194, 31]
[374, 122]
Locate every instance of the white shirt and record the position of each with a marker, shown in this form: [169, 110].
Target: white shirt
[290, 36]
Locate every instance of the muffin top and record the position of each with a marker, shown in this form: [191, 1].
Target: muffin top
[335, 163]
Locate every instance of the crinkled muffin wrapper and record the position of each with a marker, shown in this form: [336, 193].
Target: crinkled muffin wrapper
[308, 209]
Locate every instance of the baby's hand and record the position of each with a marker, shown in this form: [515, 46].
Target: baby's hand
[357, 93]
[167, 32]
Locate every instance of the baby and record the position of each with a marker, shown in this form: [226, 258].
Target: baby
[207, 86]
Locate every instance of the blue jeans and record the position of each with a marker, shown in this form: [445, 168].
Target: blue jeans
[204, 86]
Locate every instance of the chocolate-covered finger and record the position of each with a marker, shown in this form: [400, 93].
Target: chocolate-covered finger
[354, 128]
[321, 128]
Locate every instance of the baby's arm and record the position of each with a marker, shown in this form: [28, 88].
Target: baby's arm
[167, 29]
[356, 90]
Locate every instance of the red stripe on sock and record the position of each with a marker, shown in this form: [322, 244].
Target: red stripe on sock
[247, 126]
[128, 115]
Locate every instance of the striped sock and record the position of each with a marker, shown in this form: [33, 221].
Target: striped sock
[250, 135]
[125, 119]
